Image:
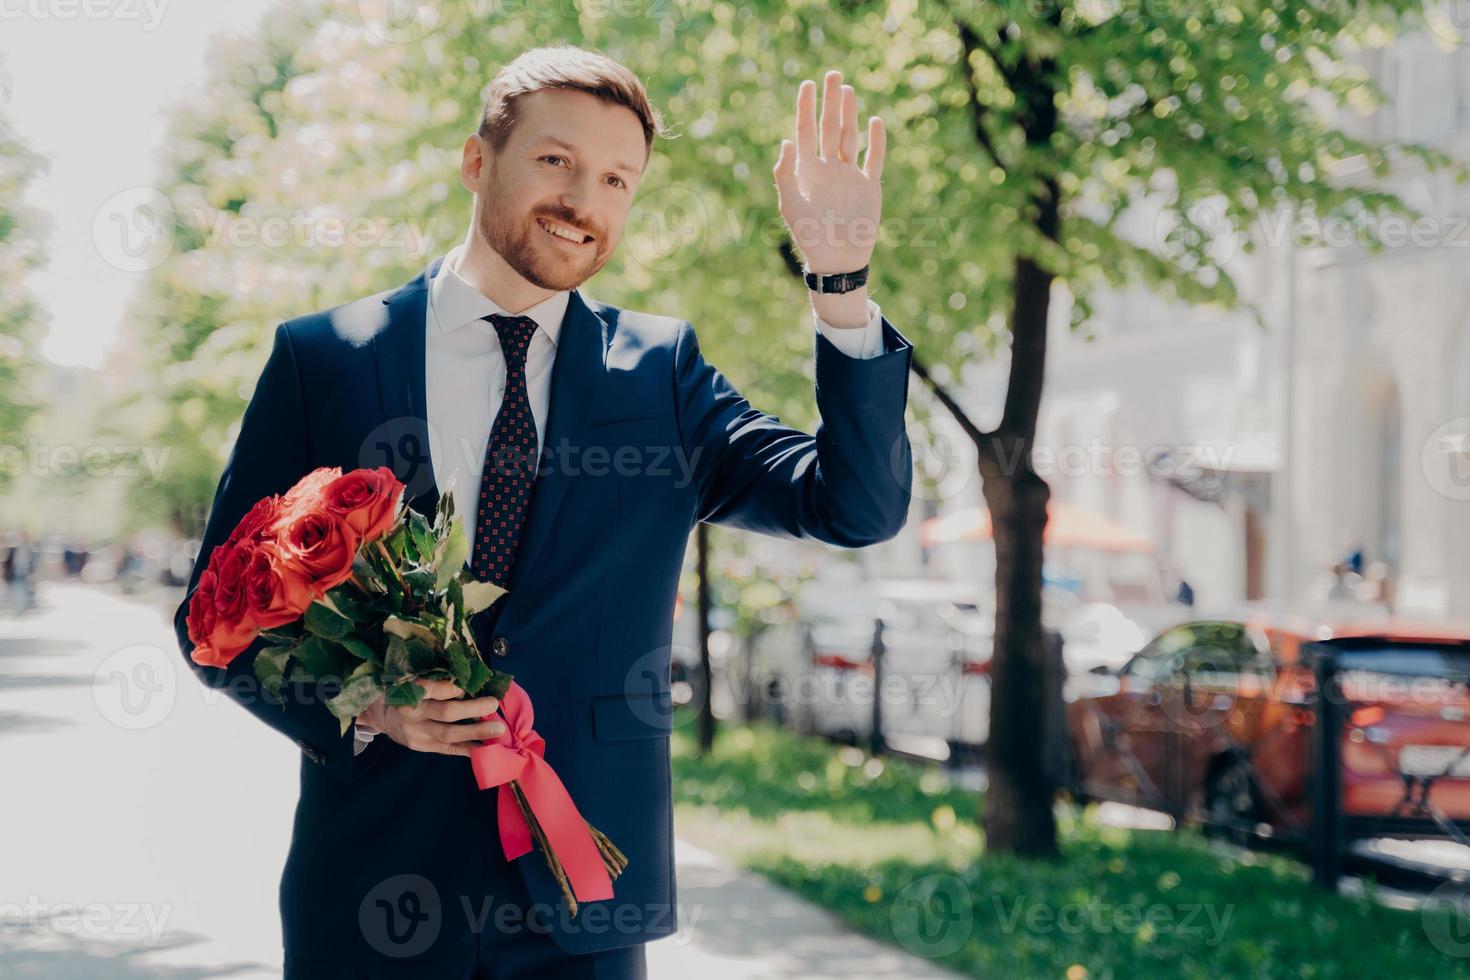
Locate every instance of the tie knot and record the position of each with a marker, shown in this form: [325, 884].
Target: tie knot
[515, 335]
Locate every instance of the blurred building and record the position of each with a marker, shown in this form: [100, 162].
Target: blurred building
[1254, 455]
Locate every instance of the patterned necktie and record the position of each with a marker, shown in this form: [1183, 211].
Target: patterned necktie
[510, 460]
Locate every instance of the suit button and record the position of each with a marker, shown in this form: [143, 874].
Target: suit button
[500, 646]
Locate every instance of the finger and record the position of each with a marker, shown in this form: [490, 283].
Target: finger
[849, 141]
[418, 739]
[877, 142]
[806, 120]
[831, 114]
[478, 732]
[440, 690]
[462, 709]
[785, 173]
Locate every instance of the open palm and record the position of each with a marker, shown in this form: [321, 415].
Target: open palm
[831, 205]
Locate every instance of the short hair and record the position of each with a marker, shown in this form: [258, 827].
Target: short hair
[564, 66]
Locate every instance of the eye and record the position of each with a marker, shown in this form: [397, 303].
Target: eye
[552, 156]
[620, 181]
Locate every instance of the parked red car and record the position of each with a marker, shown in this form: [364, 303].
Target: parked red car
[1212, 721]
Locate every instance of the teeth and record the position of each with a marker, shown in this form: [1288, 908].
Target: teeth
[561, 232]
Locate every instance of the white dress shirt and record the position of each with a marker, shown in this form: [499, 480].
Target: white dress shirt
[465, 377]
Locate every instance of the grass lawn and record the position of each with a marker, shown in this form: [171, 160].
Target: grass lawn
[890, 848]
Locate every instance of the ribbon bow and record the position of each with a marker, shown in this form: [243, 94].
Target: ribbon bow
[517, 755]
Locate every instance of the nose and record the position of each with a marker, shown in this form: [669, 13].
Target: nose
[574, 199]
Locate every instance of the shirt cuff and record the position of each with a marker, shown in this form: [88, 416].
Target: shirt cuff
[361, 739]
[860, 343]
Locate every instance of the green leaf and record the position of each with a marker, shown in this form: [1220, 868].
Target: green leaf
[421, 580]
[394, 542]
[449, 557]
[407, 629]
[353, 604]
[487, 681]
[287, 635]
[422, 536]
[270, 669]
[459, 664]
[479, 595]
[454, 595]
[406, 694]
[325, 621]
[319, 658]
[362, 689]
[444, 513]
[422, 656]
[478, 675]
[367, 573]
[361, 649]
[395, 660]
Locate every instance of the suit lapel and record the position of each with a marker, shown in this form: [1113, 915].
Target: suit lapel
[399, 352]
[576, 375]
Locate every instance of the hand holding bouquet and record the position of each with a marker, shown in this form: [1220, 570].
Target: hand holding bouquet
[345, 581]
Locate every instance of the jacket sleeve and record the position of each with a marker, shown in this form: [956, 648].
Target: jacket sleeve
[270, 454]
[849, 485]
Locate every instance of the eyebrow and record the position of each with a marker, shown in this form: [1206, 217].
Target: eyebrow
[626, 168]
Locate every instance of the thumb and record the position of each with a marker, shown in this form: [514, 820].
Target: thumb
[785, 170]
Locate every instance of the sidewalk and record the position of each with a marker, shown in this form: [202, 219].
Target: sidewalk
[735, 925]
[159, 859]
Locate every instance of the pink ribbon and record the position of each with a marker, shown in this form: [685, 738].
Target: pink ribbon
[517, 755]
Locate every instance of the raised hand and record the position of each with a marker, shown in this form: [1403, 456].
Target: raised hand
[829, 203]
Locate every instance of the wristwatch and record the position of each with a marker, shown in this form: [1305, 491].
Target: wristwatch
[838, 282]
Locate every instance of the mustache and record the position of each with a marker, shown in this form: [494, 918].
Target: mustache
[564, 218]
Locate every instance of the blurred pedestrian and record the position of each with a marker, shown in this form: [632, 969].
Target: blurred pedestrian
[20, 569]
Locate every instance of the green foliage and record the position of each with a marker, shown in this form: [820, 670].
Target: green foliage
[896, 855]
[21, 253]
[320, 118]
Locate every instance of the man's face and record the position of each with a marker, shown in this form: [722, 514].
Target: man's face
[570, 167]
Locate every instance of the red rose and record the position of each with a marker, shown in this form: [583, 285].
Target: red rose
[202, 617]
[259, 522]
[274, 593]
[307, 493]
[229, 562]
[319, 548]
[367, 500]
[216, 641]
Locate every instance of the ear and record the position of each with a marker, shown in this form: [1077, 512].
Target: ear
[474, 160]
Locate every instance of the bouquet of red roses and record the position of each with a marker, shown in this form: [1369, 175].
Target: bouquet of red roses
[346, 582]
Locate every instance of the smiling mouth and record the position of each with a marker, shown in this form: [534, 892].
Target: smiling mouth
[562, 233]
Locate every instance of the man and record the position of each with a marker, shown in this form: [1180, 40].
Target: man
[490, 360]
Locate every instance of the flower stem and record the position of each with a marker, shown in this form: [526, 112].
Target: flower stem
[392, 567]
[557, 871]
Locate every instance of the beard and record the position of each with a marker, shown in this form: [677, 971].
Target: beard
[527, 248]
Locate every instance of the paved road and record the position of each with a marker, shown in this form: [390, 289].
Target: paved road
[144, 823]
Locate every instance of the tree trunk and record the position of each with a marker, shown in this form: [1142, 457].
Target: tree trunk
[1018, 803]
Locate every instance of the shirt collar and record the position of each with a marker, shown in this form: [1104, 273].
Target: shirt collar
[455, 302]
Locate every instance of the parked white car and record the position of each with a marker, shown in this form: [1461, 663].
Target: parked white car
[818, 673]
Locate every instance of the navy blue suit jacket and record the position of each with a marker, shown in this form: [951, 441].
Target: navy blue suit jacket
[644, 439]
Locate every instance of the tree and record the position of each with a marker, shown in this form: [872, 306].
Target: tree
[1078, 113]
[21, 252]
